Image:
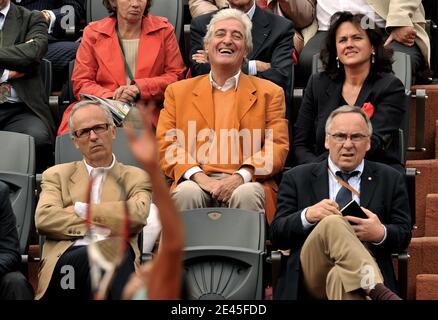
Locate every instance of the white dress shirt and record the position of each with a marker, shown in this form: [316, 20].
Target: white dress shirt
[80, 208]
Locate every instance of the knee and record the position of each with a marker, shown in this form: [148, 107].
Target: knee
[16, 286]
[40, 134]
[248, 192]
[187, 190]
[331, 222]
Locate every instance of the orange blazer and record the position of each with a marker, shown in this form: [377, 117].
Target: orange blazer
[100, 69]
[260, 105]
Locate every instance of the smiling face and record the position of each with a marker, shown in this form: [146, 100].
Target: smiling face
[130, 10]
[347, 155]
[97, 147]
[353, 47]
[226, 47]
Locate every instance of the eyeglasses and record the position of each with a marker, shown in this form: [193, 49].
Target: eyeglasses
[342, 137]
[97, 129]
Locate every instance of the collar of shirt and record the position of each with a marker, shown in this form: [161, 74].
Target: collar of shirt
[335, 186]
[230, 83]
[90, 168]
[251, 11]
[4, 11]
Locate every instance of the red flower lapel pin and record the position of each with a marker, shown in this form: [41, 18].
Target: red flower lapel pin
[368, 108]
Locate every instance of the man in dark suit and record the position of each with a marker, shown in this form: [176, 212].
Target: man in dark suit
[271, 57]
[335, 257]
[64, 18]
[24, 106]
[13, 285]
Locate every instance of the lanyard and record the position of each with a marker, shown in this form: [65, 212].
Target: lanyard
[344, 184]
[127, 68]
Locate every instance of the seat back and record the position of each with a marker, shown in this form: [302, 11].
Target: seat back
[17, 152]
[173, 11]
[96, 10]
[224, 252]
[65, 150]
[21, 188]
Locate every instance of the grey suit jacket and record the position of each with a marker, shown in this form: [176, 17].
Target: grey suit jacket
[24, 45]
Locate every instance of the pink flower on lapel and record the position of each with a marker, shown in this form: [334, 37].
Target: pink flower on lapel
[368, 108]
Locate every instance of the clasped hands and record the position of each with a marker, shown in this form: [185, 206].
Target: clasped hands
[370, 230]
[127, 93]
[220, 190]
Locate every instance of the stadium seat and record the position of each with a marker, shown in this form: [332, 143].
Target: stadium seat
[173, 11]
[22, 196]
[18, 152]
[224, 253]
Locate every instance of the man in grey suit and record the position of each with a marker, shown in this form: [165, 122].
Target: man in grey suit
[24, 107]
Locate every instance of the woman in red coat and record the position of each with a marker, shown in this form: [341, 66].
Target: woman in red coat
[128, 56]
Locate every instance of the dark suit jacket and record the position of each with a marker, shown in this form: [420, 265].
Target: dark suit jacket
[322, 95]
[9, 246]
[272, 42]
[382, 191]
[24, 45]
[57, 7]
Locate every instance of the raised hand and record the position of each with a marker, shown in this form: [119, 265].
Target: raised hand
[144, 145]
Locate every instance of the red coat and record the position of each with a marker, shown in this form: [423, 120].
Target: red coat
[99, 67]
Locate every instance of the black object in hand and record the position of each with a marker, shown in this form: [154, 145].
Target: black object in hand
[353, 209]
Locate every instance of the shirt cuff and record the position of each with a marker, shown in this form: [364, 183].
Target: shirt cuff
[245, 174]
[5, 76]
[306, 224]
[189, 173]
[52, 21]
[384, 237]
[81, 209]
[252, 67]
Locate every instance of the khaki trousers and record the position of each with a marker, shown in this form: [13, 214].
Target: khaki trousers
[335, 263]
[248, 196]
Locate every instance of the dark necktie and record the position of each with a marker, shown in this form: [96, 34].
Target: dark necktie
[344, 195]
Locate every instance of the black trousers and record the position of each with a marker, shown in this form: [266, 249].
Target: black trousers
[60, 53]
[17, 117]
[76, 258]
[14, 286]
[313, 46]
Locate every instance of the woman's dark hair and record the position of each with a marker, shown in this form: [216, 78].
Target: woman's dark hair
[383, 56]
[113, 11]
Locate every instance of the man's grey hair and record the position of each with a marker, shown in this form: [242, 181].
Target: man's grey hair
[348, 109]
[84, 104]
[226, 14]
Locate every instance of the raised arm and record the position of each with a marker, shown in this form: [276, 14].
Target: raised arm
[163, 277]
